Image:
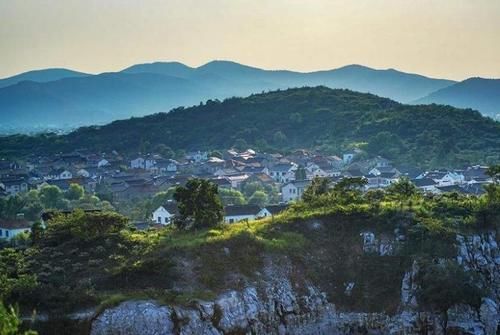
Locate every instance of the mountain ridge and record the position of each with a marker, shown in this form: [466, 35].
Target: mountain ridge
[96, 102]
[317, 118]
[477, 93]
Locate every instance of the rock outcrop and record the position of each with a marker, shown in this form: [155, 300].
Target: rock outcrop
[276, 304]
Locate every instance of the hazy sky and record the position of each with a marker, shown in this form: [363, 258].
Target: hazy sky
[442, 38]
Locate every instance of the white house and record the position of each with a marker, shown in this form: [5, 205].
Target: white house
[103, 162]
[283, 173]
[164, 214]
[13, 186]
[11, 228]
[143, 163]
[293, 191]
[59, 174]
[444, 178]
[271, 210]
[237, 213]
[426, 185]
[83, 173]
[236, 180]
[197, 156]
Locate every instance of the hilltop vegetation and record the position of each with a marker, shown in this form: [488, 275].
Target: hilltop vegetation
[319, 118]
[90, 259]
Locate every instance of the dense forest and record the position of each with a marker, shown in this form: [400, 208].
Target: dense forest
[328, 120]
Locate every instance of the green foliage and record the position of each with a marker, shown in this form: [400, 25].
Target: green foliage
[74, 192]
[426, 136]
[445, 284]
[84, 225]
[402, 190]
[15, 277]
[51, 197]
[319, 186]
[165, 151]
[258, 198]
[231, 197]
[300, 173]
[10, 321]
[199, 203]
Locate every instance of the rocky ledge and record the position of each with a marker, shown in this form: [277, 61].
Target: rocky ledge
[276, 306]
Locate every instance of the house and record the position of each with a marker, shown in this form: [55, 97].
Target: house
[13, 186]
[426, 185]
[348, 157]
[165, 213]
[444, 178]
[143, 163]
[293, 191]
[9, 228]
[271, 210]
[102, 163]
[236, 180]
[237, 213]
[379, 181]
[59, 174]
[476, 174]
[283, 172]
[197, 156]
[83, 173]
[379, 170]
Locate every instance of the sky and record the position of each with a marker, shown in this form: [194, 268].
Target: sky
[453, 39]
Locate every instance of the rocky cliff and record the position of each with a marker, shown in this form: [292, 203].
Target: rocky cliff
[279, 303]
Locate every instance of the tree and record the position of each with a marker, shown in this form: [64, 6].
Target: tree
[300, 173]
[279, 137]
[446, 284]
[161, 198]
[10, 321]
[51, 196]
[74, 192]
[318, 187]
[15, 278]
[402, 190]
[374, 198]
[494, 172]
[348, 190]
[258, 198]
[240, 144]
[199, 204]
[165, 151]
[10, 207]
[216, 153]
[231, 197]
[83, 226]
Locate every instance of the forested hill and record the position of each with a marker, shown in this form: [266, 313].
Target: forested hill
[326, 119]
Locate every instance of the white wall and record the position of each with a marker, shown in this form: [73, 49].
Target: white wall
[162, 216]
[12, 232]
[237, 218]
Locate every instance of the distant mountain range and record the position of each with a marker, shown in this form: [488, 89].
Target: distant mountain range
[61, 97]
[476, 93]
[320, 118]
[41, 76]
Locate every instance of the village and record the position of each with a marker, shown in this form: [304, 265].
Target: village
[270, 181]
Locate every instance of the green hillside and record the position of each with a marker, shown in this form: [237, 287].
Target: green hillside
[330, 120]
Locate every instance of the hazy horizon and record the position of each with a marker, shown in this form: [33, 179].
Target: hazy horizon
[442, 39]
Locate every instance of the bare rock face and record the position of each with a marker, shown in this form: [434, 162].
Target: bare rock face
[480, 253]
[134, 317]
[277, 305]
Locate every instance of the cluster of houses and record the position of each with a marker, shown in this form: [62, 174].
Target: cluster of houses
[137, 177]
